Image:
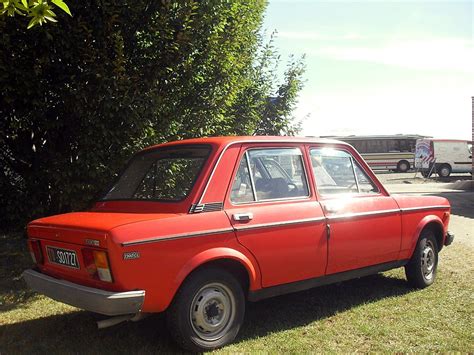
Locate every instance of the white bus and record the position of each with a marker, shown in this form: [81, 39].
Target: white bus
[391, 152]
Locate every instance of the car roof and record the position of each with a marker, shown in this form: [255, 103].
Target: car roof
[227, 140]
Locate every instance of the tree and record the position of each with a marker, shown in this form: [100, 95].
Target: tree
[40, 11]
[80, 97]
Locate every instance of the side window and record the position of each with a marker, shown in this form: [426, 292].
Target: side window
[242, 187]
[270, 174]
[336, 172]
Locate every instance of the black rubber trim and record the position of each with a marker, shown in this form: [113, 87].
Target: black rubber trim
[323, 280]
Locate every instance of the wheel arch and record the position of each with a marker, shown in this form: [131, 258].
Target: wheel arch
[234, 261]
[434, 223]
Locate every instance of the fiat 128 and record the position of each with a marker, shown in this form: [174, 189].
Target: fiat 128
[197, 228]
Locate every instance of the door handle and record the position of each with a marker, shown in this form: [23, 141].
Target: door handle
[331, 209]
[242, 217]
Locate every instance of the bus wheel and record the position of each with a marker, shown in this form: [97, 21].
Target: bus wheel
[444, 170]
[403, 166]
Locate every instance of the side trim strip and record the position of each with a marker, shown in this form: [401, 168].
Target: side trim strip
[283, 223]
[322, 280]
[278, 224]
[178, 236]
[427, 208]
[363, 214]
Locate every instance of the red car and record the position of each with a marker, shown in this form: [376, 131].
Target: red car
[198, 227]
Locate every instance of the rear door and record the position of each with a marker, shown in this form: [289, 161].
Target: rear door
[275, 214]
[363, 220]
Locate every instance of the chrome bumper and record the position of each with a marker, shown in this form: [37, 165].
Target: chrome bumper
[88, 298]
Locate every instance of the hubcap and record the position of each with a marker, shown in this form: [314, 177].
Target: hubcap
[444, 172]
[212, 311]
[428, 260]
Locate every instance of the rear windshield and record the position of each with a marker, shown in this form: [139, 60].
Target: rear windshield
[160, 175]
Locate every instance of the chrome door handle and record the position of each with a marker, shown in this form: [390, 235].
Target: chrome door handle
[242, 216]
[331, 209]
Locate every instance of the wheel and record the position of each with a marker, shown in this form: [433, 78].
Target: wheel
[421, 269]
[403, 166]
[444, 170]
[207, 311]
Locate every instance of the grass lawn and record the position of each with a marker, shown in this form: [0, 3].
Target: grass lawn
[378, 313]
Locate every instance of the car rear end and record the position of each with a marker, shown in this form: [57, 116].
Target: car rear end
[75, 266]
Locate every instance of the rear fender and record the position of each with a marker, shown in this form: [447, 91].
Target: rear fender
[219, 254]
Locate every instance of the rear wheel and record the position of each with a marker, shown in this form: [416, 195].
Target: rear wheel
[207, 311]
[444, 170]
[421, 269]
[403, 166]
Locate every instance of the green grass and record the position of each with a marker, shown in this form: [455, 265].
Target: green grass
[380, 313]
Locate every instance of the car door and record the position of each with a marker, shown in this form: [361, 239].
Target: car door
[364, 222]
[275, 214]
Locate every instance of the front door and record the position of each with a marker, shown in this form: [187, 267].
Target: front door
[363, 220]
[276, 216]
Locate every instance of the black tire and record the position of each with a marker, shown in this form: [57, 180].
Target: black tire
[208, 295]
[444, 170]
[403, 166]
[426, 174]
[421, 269]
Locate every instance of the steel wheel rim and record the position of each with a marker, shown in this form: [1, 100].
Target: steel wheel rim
[212, 311]
[428, 260]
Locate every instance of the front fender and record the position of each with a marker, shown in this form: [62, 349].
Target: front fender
[421, 225]
[217, 254]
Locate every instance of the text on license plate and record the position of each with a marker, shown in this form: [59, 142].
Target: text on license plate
[63, 257]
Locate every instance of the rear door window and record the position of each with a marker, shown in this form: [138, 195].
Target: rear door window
[268, 174]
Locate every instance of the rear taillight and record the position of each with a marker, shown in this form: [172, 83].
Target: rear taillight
[97, 264]
[35, 251]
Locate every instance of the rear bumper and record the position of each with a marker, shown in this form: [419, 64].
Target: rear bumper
[449, 238]
[88, 298]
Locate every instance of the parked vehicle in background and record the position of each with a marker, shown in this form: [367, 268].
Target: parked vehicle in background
[443, 156]
[196, 228]
[392, 152]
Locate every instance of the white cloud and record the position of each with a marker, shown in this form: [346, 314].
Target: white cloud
[309, 35]
[429, 54]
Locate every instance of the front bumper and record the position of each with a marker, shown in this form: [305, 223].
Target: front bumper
[449, 238]
[88, 298]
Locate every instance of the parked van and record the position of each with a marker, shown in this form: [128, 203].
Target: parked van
[443, 156]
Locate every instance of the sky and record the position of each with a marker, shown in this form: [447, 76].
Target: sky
[380, 66]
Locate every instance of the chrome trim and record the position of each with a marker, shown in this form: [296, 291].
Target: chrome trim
[362, 214]
[426, 208]
[178, 236]
[277, 224]
[88, 298]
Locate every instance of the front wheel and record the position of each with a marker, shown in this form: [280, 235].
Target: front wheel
[421, 269]
[207, 311]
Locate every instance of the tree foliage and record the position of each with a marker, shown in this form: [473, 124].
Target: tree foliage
[39, 11]
[79, 97]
